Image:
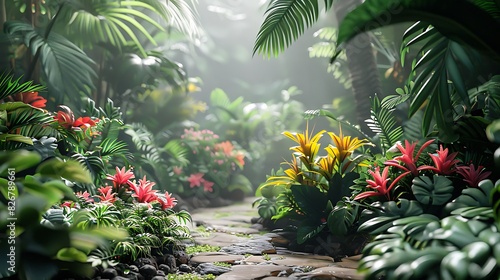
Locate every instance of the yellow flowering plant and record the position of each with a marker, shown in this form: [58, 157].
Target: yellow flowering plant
[312, 184]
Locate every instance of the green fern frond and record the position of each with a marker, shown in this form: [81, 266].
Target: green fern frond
[285, 21]
[383, 123]
[10, 85]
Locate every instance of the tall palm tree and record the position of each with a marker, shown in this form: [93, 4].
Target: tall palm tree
[286, 20]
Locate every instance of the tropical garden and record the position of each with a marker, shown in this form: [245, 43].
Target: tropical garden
[106, 144]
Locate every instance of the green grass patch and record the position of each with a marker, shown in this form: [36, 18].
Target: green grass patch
[201, 249]
[190, 276]
[223, 264]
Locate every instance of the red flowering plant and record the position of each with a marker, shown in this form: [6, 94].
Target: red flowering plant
[212, 165]
[418, 182]
[147, 214]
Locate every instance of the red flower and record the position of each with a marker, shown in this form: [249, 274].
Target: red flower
[407, 157]
[473, 176]
[207, 185]
[121, 178]
[65, 117]
[85, 196]
[69, 204]
[380, 183]
[144, 191]
[107, 195]
[167, 201]
[195, 180]
[444, 164]
[85, 122]
[32, 98]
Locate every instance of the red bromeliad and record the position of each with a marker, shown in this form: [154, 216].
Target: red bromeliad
[167, 201]
[444, 164]
[408, 157]
[107, 195]
[121, 178]
[473, 176]
[144, 192]
[380, 184]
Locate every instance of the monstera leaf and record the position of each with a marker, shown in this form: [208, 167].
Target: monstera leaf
[435, 191]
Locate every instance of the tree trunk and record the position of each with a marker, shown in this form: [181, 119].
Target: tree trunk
[362, 67]
[3, 14]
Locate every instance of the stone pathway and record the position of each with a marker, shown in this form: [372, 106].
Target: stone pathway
[255, 254]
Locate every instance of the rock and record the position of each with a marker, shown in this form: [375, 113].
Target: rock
[211, 257]
[132, 276]
[148, 271]
[253, 247]
[160, 273]
[143, 261]
[181, 257]
[119, 278]
[164, 268]
[133, 268]
[109, 273]
[158, 278]
[171, 262]
[185, 268]
[210, 268]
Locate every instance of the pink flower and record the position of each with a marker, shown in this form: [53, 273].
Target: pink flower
[379, 184]
[177, 170]
[444, 164]
[207, 186]
[240, 158]
[408, 157]
[195, 180]
[107, 195]
[121, 178]
[85, 196]
[69, 204]
[473, 176]
[167, 201]
[144, 191]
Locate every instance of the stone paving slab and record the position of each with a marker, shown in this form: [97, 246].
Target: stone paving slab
[257, 255]
[220, 239]
[293, 260]
[249, 272]
[329, 272]
[215, 257]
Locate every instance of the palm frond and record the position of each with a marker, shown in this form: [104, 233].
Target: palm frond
[441, 60]
[115, 22]
[285, 21]
[383, 123]
[180, 13]
[10, 85]
[456, 20]
[113, 147]
[177, 151]
[66, 67]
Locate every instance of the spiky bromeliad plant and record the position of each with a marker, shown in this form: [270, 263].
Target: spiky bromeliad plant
[309, 193]
[154, 228]
[37, 238]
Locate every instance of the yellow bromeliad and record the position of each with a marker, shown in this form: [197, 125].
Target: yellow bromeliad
[339, 154]
[308, 146]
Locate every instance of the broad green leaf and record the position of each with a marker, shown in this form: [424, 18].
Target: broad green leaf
[17, 161]
[71, 255]
[456, 19]
[435, 191]
[70, 170]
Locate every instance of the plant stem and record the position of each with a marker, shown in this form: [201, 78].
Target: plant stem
[3, 14]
